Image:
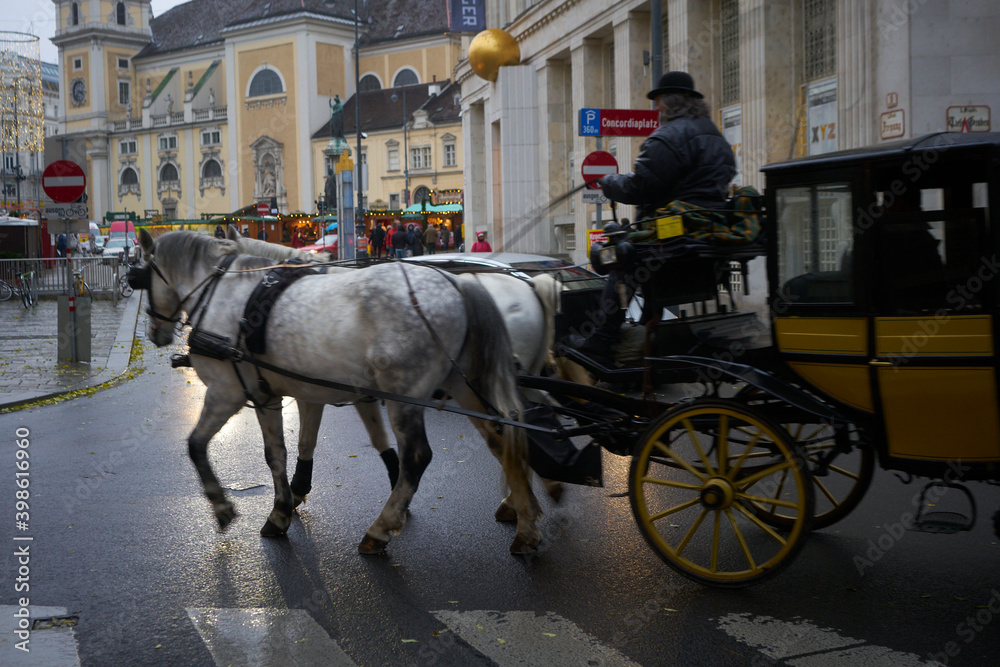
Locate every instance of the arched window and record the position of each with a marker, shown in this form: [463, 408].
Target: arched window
[75, 14]
[405, 77]
[211, 169]
[369, 82]
[266, 82]
[169, 173]
[120, 13]
[420, 193]
[129, 177]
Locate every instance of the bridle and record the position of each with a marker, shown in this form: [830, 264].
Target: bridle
[142, 278]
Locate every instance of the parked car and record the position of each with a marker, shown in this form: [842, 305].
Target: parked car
[329, 244]
[117, 247]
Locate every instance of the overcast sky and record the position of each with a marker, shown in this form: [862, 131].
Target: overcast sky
[38, 17]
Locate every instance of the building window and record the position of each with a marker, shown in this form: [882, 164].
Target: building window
[369, 82]
[392, 156]
[420, 157]
[127, 147]
[75, 15]
[665, 37]
[77, 62]
[168, 143]
[394, 201]
[266, 82]
[819, 19]
[211, 169]
[9, 162]
[124, 93]
[120, 13]
[169, 173]
[211, 137]
[729, 46]
[123, 63]
[405, 77]
[450, 156]
[129, 177]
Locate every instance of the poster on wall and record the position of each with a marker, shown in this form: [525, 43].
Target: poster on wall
[467, 15]
[732, 130]
[821, 110]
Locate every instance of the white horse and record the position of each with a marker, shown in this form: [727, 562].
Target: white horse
[370, 337]
[528, 310]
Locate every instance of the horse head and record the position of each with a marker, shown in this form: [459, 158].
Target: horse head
[175, 267]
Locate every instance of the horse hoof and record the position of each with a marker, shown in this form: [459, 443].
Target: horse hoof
[225, 515]
[505, 513]
[523, 546]
[555, 491]
[371, 546]
[298, 500]
[270, 529]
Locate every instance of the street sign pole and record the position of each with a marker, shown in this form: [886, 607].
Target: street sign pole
[66, 182]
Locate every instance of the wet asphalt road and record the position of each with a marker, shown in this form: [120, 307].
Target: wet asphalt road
[125, 541]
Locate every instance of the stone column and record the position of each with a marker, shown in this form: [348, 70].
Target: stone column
[587, 62]
[855, 83]
[632, 84]
[555, 141]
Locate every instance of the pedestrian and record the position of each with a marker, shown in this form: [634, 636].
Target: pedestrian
[261, 235]
[61, 245]
[417, 247]
[431, 238]
[297, 241]
[376, 240]
[481, 244]
[445, 237]
[686, 160]
[399, 242]
[219, 232]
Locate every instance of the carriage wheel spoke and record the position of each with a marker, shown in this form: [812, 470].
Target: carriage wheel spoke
[762, 500]
[760, 524]
[681, 462]
[723, 443]
[750, 446]
[750, 480]
[826, 492]
[781, 487]
[671, 483]
[674, 509]
[697, 445]
[742, 540]
[691, 531]
[845, 473]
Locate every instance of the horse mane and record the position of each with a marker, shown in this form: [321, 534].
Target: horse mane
[276, 251]
[190, 248]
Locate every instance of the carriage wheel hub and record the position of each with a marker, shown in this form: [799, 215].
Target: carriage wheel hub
[717, 494]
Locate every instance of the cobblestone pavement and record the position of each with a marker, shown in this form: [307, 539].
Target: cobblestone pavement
[29, 349]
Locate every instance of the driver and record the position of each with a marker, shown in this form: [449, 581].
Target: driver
[685, 159]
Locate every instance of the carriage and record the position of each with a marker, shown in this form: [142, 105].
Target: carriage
[881, 349]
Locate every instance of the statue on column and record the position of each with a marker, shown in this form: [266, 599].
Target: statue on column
[336, 118]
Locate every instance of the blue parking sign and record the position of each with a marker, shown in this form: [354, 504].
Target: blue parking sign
[590, 122]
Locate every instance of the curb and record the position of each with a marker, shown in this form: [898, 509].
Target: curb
[115, 365]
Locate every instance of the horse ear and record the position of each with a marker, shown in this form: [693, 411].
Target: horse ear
[227, 247]
[146, 243]
[233, 232]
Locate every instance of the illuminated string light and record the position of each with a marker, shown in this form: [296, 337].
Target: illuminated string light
[21, 102]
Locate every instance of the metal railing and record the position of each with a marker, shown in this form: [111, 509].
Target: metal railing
[53, 277]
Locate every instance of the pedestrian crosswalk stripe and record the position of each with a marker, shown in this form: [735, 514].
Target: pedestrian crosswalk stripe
[527, 639]
[53, 647]
[805, 645]
[266, 637]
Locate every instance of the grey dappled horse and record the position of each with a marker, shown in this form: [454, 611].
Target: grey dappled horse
[366, 331]
[528, 311]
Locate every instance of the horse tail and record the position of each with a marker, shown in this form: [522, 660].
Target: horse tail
[549, 293]
[492, 371]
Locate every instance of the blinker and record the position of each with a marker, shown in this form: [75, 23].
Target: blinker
[140, 277]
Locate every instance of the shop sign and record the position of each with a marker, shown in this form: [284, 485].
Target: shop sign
[892, 124]
[974, 118]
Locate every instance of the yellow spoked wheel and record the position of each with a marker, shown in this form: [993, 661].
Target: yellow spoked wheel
[694, 478]
[841, 470]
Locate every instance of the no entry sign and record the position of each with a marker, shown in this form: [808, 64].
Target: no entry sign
[263, 208]
[64, 181]
[597, 164]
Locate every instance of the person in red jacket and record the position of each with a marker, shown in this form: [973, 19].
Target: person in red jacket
[481, 244]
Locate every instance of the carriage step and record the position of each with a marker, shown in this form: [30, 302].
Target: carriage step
[943, 522]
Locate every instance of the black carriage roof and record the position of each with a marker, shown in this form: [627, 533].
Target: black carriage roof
[895, 150]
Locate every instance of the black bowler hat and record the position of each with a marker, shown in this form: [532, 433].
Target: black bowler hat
[674, 82]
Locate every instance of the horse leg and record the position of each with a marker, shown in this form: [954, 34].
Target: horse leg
[269, 418]
[371, 415]
[310, 416]
[214, 415]
[415, 455]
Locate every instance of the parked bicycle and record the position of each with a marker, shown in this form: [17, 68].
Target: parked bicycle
[23, 286]
[123, 287]
[80, 286]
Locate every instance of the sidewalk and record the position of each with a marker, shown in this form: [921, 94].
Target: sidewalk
[29, 365]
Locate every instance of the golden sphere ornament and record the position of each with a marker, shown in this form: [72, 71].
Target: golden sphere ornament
[490, 50]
